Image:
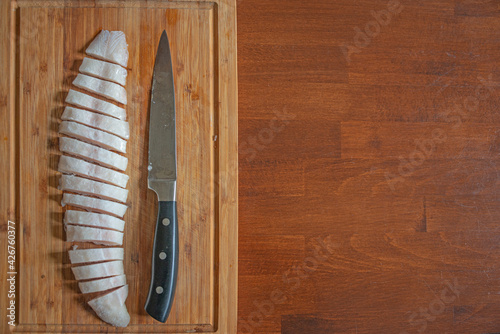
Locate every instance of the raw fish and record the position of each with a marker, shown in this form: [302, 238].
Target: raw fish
[92, 153]
[70, 165]
[94, 204]
[85, 186]
[104, 88]
[83, 100]
[98, 121]
[111, 307]
[95, 254]
[102, 284]
[98, 236]
[93, 219]
[98, 270]
[93, 136]
[110, 45]
[104, 70]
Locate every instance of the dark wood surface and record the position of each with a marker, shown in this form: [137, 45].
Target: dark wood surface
[369, 188]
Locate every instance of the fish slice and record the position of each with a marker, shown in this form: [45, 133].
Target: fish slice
[104, 88]
[93, 219]
[105, 123]
[85, 186]
[97, 236]
[98, 270]
[104, 70]
[95, 254]
[102, 284]
[111, 46]
[93, 136]
[70, 165]
[92, 153]
[86, 101]
[94, 204]
[111, 307]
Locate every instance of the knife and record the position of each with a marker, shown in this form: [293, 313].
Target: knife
[162, 178]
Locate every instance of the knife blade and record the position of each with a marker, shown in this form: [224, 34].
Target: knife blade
[162, 179]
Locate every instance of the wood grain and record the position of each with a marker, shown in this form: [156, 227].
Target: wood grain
[45, 43]
[327, 243]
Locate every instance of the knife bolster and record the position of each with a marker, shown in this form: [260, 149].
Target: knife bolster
[165, 190]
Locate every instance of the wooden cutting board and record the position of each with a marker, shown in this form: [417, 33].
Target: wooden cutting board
[42, 44]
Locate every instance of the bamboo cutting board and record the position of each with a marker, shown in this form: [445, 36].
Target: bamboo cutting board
[42, 45]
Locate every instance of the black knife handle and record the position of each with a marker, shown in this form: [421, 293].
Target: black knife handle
[165, 262]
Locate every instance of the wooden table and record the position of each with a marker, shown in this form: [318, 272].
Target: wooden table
[368, 166]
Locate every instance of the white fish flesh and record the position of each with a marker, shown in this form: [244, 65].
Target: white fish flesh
[98, 270]
[93, 219]
[83, 100]
[98, 121]
[104, 70]
[85, 186]
[104, 88]
[93, 136]
[97, 236]
[111, 307]
[102, 284]
[92, 153]
[110, 45]
[94, 204]
[95, 254]
[70, 165]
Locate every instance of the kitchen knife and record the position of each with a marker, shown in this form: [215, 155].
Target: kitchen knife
[162, 178]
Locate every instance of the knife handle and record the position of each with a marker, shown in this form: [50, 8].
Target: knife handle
[165, 262]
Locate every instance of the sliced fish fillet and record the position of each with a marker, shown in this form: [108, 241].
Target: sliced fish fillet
[70, 165]
[94, 204]
[85, 186]
[97, 236]
[83, 100]
[104, 88]
[104, 70]
[94, 120]
[94, 130]
[110, 45]
[93, 136]
[102, 284]
[98, 270]
[111, 307]
[95, 255]
[92, 153]
[93, 219]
